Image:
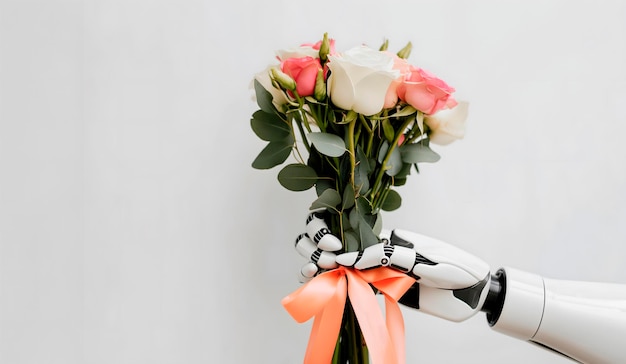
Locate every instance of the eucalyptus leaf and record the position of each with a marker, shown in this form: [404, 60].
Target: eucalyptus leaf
[378, 225]
[329, 199]
[399, 181]
[272, 155]
[366, 233]
[392, 201]
[348, 197]
[353, 218]
[364, 221]
[363, 205]
[269, 127]
[328, 144]
[364, 160]
[394, 163]
[352, 241]
[404, 172]
[418, 153]
[361, 178]
[382, 152]
[322, 185]
[297, 177]
[263, 98]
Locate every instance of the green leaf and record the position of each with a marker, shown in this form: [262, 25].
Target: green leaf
[353, 217]
[329, 200]
[361, 179]
[352, 241]
[404, 172]
[361, 221]
[272, 155]
[388, 130]
[322, 185]
[363, 205]
[418, 153]
[348, 197]
[328, 144]
[392, 201]
[364, 160]
[397, 182]
[269, 127]
[297, 177]
[405, 111]
[394, 163]
[420, 120]
[365, 232]
[378, 225]
[347, 118]
[263, 98]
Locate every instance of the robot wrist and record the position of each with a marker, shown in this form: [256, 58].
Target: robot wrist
[495, 297]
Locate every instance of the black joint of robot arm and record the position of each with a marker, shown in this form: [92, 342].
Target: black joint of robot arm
[495, 298]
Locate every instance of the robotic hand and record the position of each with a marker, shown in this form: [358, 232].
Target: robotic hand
[450, 283]
[317, 245]
[585, 321]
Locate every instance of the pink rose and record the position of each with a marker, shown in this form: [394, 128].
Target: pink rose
[304, 71]
[425, 92]
[402, 66]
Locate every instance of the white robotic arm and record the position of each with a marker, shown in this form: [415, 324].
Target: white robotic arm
[581, 320]
[585, 321]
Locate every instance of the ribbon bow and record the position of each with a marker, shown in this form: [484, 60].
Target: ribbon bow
[325, 296]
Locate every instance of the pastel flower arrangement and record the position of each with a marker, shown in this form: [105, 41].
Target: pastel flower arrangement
[356, 123]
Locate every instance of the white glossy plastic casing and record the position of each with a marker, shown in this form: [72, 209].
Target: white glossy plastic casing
[583, 320]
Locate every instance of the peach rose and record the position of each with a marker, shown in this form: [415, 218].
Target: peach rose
[425, 92]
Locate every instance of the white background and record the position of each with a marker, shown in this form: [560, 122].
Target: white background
[133, 229]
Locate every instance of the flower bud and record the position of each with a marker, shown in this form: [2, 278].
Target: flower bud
[320, 86]
[406, 51]
[324, 48]
[384, 46]
[285, 82]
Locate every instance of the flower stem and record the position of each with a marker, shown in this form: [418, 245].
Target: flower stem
[302, 134]
[350, 138]
[391, 148]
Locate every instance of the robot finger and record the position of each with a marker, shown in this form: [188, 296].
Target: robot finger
[307, 272]
[318, 230]
[307, 248]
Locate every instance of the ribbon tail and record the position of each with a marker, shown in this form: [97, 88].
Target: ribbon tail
[326, 327]
[395, 325]
[371, 321]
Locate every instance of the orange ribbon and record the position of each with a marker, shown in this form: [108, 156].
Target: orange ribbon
[325, 296]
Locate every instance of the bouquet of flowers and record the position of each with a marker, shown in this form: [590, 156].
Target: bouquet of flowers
[356, 123]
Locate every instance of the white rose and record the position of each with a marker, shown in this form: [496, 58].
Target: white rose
[278, 96]
[448, 125]
[360, 78]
